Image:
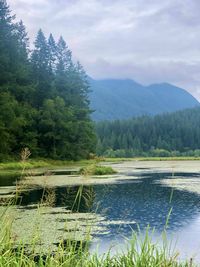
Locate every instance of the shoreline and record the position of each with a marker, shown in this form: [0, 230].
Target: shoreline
[43, 163]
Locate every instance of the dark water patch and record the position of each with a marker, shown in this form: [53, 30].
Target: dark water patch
[6, 193]
[65, 172]
[142, 168]
[73, 198]
[163, 175]
[128, 181]
[58, 212]
[57, 172]
[9, 179]
[74, 231]
[75, 244]
[29, 207]
[71, 220]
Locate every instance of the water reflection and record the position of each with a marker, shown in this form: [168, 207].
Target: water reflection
[74, 198]
[128, 204]
[141, 201]
[147, 203]
[9, 179]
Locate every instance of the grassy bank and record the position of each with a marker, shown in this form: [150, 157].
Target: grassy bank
[151, 159]
[43, 163]
[96, 170]
[139, 253]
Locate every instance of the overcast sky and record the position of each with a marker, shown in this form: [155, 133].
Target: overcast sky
[149, 41]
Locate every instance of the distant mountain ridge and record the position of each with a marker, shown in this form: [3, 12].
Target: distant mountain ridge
[121, 99]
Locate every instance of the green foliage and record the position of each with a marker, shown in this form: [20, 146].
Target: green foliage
[43, 96]
[104, 170]
[97, 170]
[168, 135]
[139, 253]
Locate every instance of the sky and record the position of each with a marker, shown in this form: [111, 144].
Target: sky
[149, 41]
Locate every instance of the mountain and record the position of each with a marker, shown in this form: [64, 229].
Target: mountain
[121, 99]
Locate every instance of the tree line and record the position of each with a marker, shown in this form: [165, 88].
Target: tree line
[43, 95]
[172, 134]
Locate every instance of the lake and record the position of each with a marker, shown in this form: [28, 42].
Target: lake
[140, 195]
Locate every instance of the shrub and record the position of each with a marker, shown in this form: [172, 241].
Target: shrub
[97, 170]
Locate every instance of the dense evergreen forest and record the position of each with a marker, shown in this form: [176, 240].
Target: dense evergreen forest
[44, 106]
[172, 134]
[43, 95]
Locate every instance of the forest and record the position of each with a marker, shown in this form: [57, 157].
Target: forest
[170, 134]
[45, 107]
[43, 95]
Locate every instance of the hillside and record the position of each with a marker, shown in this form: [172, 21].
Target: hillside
[172, 134]
[121, 99]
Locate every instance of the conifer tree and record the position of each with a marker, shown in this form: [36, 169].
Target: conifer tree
[41, 73]
[8, 47]
[43, 95]
[52, 53]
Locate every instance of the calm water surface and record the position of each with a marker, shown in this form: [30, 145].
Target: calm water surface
[132, 203]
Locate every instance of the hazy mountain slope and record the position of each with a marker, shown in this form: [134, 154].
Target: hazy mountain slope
[119, 99]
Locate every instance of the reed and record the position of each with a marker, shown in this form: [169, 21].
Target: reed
[97, 170]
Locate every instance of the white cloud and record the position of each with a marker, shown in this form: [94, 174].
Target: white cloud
[150, 41]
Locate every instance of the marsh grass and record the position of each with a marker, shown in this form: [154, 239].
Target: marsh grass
[44, 163]
[48, 163]
[97, 170]
[181, 158]
[20, 165]
[140, 251]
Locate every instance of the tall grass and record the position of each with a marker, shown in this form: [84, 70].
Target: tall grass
[140, 251]
[94, 169]
[43, 163]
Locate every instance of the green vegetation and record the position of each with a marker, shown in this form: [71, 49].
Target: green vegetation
[167, 158]
[43, 96]
[104, 170]
[150, 256]
[151, 159]
[169, 135]
[44, 163]
[16, 167]
[39, 166]
[44, 106]
[140, 252]
[28, 165]
[97, 170]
